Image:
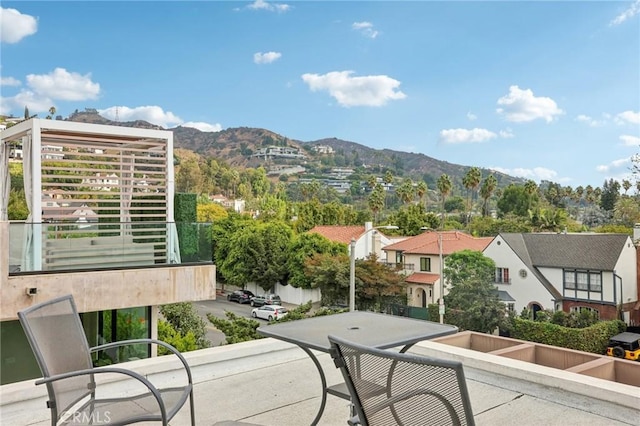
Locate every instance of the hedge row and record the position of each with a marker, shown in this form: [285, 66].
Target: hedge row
[592, 339]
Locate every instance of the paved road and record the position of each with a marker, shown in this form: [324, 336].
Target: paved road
[217, 308]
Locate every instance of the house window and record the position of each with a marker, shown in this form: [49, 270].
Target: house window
[502, 276]
[399, 257]
[581, 309]
[583, 280]
[425, 264]
[510, 307]
[570, 280]
[595, 282]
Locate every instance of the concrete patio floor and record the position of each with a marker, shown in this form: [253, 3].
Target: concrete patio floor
[269, 382]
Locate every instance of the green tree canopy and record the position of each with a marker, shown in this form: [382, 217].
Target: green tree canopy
[302, 248]
[472, 301]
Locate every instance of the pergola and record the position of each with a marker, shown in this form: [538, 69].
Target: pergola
[120, 175]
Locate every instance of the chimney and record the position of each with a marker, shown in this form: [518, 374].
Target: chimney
[369, 225]
[636, 233]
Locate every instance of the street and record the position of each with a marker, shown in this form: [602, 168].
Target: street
[217, 308]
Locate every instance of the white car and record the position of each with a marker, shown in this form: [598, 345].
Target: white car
[269, 312]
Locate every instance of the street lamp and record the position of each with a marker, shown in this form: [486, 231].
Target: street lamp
[352, 265]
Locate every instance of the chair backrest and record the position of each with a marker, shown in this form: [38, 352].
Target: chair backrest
[388, 387]
[58, 341]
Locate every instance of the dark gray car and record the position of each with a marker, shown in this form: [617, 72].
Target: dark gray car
[266, 299]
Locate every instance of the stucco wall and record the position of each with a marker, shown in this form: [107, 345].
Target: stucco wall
[102, 290]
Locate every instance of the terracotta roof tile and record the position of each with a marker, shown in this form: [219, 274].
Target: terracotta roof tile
[452, 241]
[422, 278]
[339, 234]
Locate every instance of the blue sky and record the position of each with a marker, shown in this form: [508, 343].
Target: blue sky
[542, 90]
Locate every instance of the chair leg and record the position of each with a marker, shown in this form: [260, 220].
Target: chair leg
[193, 410]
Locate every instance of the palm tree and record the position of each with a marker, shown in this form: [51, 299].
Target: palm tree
[530, 187]
[444, 186]
[421, 190]
[406, 191]
[376, 200]
[626, 185]
[52, 112]
[488, 186]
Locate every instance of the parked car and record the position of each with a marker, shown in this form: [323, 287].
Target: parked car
[625, 345]
[240, 296]
[269, 312]
[266, 299]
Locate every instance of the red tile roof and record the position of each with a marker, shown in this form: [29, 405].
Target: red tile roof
[339, 234]
[452, 241]
[422, 278]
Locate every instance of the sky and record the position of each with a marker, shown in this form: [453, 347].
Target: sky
[544, 90]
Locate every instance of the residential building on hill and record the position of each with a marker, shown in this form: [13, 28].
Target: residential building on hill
[368, 239]
[419, 258]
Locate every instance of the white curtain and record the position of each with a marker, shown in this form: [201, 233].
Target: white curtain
[174, 244]
[5, 180]
[27, 165]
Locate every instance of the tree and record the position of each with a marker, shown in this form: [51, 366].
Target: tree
[626, 184]
[377, 283]
[486, 190]
[421, 190]
[184, 319]
[257, 253]
[211, 212]
[302, 248]
[406, 191]
[444, 187]
[516, 199]
[410, 219]
[472, 301]
[52, 112]
[26, 113]
[610, 194]
[331, 275]
[236, 329]
[471, 181]
[376, 200]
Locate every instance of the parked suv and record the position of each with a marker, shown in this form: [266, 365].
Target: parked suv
[625, 345]
[240, 296]
[266, 299]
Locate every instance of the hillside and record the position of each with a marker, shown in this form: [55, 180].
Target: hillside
[236, 146]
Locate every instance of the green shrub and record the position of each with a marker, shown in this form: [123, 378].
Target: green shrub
[168, 334]
[184, 318]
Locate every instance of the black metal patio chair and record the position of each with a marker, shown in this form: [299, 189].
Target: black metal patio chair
[58, 341]
[391, 388]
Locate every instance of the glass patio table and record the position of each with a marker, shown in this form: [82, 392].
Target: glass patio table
[366, 328]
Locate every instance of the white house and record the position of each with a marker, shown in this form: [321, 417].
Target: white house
[367, 238]
[567, 272]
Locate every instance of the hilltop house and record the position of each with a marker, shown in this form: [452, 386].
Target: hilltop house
[419, 257]
[568, 272]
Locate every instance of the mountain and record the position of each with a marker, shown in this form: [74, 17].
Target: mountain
[236, 146]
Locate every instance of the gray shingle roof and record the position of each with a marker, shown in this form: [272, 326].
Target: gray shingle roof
[580, 251]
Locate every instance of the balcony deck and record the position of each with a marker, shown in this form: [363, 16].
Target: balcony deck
[269, 382]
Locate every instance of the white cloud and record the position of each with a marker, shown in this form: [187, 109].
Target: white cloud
[628, 13]
[629, 140]
[151, 113]
[471, 116]
[628, 117]
[506, 133]
[537, 173]
[26, 98]
[44, 89]
[9, 81]
[372, 90]
[14, 26]
[365, 28]
[466, 135]
[615, 164]
[64, 85]
[202, 126]
[266, 58]
[272, 7]
[592, 122]
[522, 106]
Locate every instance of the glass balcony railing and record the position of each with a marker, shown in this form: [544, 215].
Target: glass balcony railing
[96, 245]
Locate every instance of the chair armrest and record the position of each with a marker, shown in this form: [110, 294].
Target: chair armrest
[110, 370]
[147, 341]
